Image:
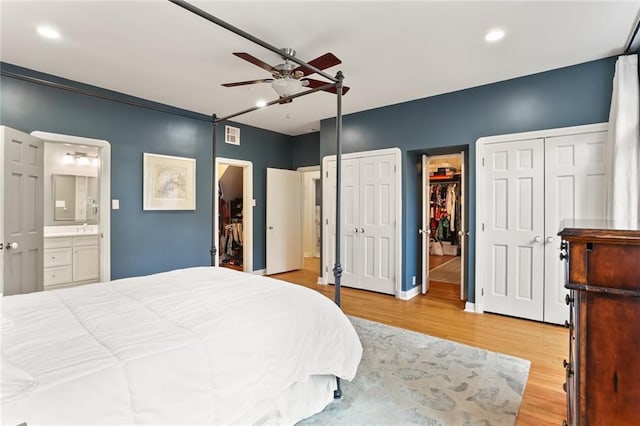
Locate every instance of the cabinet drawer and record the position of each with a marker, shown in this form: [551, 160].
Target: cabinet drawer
[57, 257]
[57, 275]
[85, 240]
[57, 242]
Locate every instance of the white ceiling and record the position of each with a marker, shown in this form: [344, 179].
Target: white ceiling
[391, 51]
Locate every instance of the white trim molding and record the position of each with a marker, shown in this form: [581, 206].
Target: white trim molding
[409, 294]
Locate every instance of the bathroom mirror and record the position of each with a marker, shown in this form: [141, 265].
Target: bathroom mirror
[75, 198]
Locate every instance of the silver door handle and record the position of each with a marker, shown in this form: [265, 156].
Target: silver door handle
[362, 230]
[12, 245]
[355, 230]
[537, 239]
[549, 240]
[463, 233]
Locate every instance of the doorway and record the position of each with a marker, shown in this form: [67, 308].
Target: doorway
[311, 219]
[234, 214]
[86, 221]
[443, 230]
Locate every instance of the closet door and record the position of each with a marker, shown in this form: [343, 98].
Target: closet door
[514, 228]
[351, 243]
[377, 223]
[575, 188]
[368, 246]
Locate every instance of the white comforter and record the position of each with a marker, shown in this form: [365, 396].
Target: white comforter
[199, 345]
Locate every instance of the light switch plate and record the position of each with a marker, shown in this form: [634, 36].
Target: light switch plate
[115, 204]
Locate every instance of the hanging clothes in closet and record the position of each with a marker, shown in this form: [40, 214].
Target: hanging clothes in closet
[444, 211]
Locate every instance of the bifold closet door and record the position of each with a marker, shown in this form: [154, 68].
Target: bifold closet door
[514, 228]
[368, 246]
[575, 188]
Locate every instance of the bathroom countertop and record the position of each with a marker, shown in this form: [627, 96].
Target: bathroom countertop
[70, 231]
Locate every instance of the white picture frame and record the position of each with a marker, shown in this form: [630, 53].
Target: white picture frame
[169, 183]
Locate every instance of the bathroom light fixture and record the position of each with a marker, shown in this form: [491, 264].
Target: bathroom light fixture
[80, 158]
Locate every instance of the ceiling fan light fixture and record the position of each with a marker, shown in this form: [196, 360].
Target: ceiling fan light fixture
[286, 86]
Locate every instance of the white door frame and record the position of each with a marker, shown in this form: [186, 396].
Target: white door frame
[326, 194]
[309, 173]
[481, 143]
[247, 210]
[425, 228]
[425, 232]
[104, 225]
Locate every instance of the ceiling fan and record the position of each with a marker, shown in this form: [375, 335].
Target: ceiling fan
[289, 77]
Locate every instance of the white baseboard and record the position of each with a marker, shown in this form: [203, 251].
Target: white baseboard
[409, 294]
[470, 307]
[260, 272]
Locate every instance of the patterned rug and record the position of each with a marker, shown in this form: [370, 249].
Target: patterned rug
[409, 378]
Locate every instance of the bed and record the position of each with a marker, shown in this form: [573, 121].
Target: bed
[203, 345]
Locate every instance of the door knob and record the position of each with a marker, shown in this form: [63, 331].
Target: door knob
[12, 245]
[362, 230]
[537, 238]
[549, 240]
[355, 230]
[270, 228]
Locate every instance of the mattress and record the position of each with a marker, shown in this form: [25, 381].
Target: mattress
[193, 346]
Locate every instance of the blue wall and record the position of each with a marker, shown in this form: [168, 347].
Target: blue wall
[306, 150]
[570, 96]
[146, 241]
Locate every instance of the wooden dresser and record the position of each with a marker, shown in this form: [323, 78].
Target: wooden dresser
[603, 278]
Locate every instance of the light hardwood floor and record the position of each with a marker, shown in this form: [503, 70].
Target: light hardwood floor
[440, 313]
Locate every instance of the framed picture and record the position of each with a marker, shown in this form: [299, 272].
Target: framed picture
[169, 182]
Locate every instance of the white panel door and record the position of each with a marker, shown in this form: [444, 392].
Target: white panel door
[575, 188]
[514, 228]
[377, 223]
[284, 221]
[368, 226]
[23, 253]
[350, 213]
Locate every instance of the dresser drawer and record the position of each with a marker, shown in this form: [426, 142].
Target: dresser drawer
[57, 275]
[57, 257]
[57, 242]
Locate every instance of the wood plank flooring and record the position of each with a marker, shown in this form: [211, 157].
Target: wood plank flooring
[440, 313]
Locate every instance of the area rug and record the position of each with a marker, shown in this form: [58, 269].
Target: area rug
[409, 378]
[447, 272]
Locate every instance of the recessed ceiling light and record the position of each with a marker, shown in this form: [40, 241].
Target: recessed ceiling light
[261, 103]
[49, 32]
[494, 35]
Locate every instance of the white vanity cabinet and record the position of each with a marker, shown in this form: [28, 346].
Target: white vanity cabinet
[70, 261]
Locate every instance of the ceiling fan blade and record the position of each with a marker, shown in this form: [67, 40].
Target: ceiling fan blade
[321, 62]
[317, 83]
[255, 61]
[244, 83]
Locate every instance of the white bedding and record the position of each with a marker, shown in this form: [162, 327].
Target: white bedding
[199, 345]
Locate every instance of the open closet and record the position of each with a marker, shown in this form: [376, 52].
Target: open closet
[230, 216]
[443, 222]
